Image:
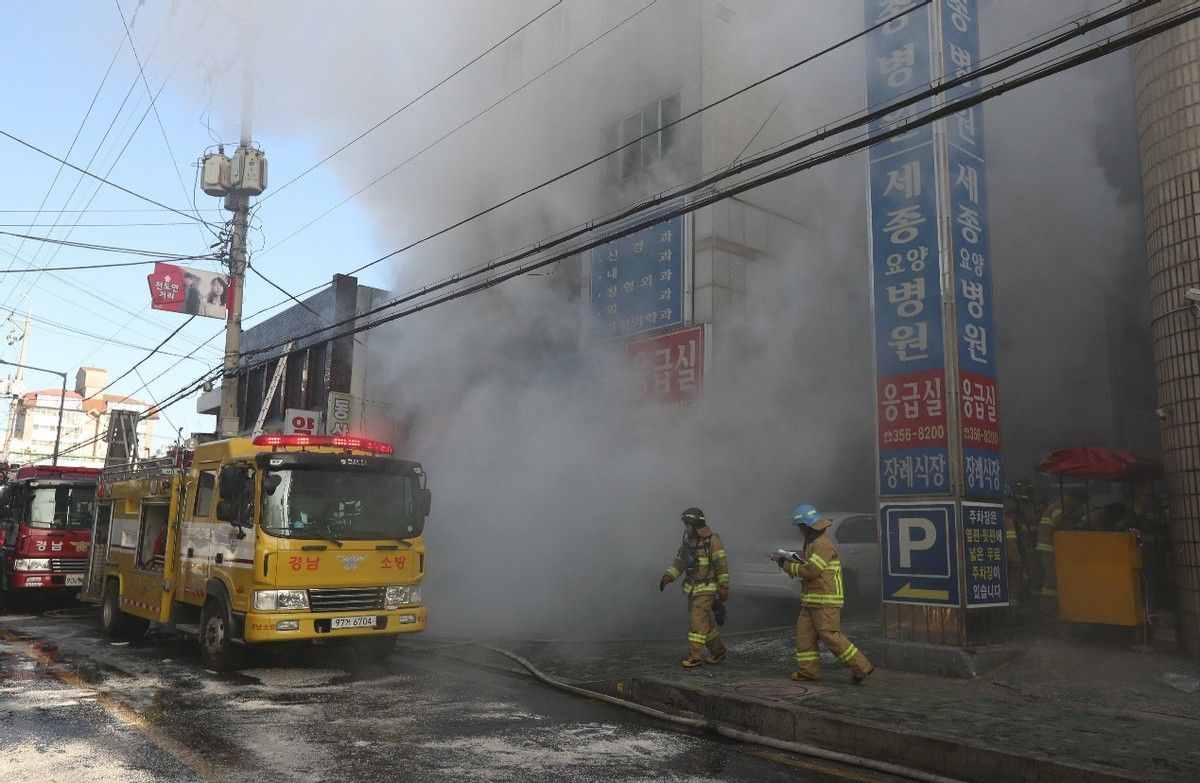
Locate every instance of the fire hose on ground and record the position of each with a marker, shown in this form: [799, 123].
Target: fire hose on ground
[725, 731]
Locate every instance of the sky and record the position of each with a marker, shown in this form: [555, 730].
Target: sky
[62, 50]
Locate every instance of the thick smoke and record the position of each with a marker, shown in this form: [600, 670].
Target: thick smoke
[556, 493]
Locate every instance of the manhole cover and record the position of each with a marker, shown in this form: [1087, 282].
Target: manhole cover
[781, 689]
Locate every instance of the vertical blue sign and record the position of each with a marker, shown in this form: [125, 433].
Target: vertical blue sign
[637, 281]
[969, 247]
[914, 456]
[986, 554]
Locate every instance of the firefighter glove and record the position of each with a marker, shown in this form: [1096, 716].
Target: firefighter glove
[662, 583]
[723, 593]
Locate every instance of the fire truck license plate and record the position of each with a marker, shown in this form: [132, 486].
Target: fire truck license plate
[73, 580]
[352, 622]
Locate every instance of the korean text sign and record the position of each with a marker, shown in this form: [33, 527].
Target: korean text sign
[986, 555]
[971, 258]
[181, 289]
[669, 367]
[637, 281]
[914, 456]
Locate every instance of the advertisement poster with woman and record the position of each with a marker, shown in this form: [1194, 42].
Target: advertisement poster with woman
[181, 289]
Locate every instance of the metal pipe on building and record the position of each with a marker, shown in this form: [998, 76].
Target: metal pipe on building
[1169, 141]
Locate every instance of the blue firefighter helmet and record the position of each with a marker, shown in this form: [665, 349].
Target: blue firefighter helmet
[805, 515]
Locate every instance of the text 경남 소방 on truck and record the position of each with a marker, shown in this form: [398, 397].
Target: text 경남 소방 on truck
[258, 541]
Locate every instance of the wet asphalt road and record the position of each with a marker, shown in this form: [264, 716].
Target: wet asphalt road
[74, 707]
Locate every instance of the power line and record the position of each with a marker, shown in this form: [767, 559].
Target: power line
[103, 180]
[116, 160]
[104, 248]
[104, 211]
[462, 125]
[81, 333]
[78, 182]
[93, 225]
[97, 177]
[408, 105]
[1089, 53]
[81, 267]
[598, 158]
[158, 117]
[78, 131]
[141, 361]
[151, 396]
[871, 137]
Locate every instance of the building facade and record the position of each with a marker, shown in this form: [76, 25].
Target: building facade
[322, 382]
[85, 414]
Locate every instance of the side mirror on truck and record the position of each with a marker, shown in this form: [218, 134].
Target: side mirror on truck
[424, 502]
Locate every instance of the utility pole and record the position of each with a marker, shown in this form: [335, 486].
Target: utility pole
[239, 204]
[14, 388]
[236, 179]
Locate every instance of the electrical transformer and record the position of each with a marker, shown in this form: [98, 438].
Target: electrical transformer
[216, 174]
[249, 171]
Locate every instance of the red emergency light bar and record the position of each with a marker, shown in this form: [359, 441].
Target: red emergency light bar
[334, 441]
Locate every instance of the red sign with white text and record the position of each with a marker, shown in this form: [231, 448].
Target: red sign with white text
[912, 410]
[670, 366]
[980, 422]
[181, 289]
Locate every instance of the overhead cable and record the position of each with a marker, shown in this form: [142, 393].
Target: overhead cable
[465, 123]
[408, 105]
[1089, 53]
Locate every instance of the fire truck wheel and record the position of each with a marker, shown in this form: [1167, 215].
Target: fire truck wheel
[216, 648]
[114, 623]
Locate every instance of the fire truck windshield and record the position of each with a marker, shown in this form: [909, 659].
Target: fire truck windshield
[64, 506]
[342, 505]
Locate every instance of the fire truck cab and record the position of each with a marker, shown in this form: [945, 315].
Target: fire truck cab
[258, 541]
[45, 528]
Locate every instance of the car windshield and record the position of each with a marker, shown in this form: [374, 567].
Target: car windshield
[62, 506]
[341, 505]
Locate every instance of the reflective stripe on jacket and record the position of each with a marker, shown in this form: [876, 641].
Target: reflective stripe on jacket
[820, 573]
[701, 560]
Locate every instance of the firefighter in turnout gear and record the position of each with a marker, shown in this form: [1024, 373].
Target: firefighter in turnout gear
[702, 563]
[821, 601]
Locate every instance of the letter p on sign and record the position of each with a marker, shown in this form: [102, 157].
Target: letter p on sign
[909, 543]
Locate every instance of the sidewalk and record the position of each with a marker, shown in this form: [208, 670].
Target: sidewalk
[1062, 711]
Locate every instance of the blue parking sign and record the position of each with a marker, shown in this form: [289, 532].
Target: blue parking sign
[920, 553]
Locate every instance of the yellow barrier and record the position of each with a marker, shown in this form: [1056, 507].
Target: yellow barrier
[1099, 578]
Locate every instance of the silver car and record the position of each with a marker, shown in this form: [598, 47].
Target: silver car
[857, 537]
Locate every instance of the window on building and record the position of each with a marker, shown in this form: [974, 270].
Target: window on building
[658, 141]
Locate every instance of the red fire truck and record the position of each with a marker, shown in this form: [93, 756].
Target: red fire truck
[46, 528]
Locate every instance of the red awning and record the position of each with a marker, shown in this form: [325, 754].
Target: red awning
[1099, 464]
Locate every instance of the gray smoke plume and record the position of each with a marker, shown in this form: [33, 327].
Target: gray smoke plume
[557, 494]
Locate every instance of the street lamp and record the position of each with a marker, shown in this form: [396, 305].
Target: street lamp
[62, 400]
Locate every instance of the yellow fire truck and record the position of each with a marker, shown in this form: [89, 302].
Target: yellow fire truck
[256, 541]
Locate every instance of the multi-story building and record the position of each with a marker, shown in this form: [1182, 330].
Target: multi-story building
[322, 381]
[85, 413]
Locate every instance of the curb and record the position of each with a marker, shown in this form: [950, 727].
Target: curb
[939, 660]
[941, 755]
